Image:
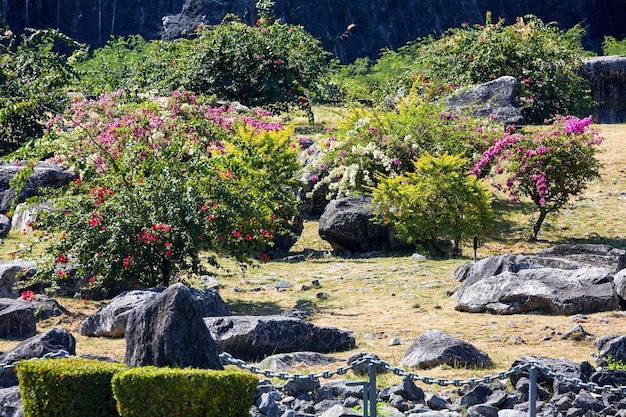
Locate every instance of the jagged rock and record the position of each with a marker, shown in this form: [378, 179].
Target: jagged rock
[564, 366]
[255, 337]
[615, 378]
[496, 98]
[5, 225]
[363, 368]
[10, 273]
[587, 402]
[46, 307]
[53, 341]
[339, 410]
[44, 174]
[110, 320]
[607, 78]
[619, 281]
[346, 224]
[286, 361]
[169, 331]
[566, 279]
[613, 346]
[434, 347]
[17, 319]
[11, 402]
[482, 410]
[478, 395]
[296, 387]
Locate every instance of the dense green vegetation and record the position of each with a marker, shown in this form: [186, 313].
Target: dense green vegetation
[170, 181]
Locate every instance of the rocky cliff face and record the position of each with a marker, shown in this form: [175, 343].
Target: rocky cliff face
[377, 23]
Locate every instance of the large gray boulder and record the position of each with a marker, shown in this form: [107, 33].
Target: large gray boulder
[44, 174]
[434, 348]
[169, 331]
[286, 361]
[110, 320]
[255, 337]
[496, 99]
[5, 225]
[565, 279]
[53, 341]
[607, 78]
[10, 273]
[17, 319]
[347, 225]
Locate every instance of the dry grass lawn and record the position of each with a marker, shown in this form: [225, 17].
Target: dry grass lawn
[383, 298]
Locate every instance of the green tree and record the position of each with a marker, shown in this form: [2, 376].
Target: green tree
[33, 83]
[167, 188]
[549, 166]
[437, 200]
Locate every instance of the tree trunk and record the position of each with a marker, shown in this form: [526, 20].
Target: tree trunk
[537, 226]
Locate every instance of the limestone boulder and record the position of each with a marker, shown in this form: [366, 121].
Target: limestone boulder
[110, 320]
[496, 99]
[347, 225]
[286, 361]
[256, 337]
[607, 79]
[565, 279]
[53, 341]
[44, 174]
[613, 346]
[10, 273]
[435, 347]
[17, 319]
[169, 331]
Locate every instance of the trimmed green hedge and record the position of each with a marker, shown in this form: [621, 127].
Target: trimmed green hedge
[70, 387]
[155, 392]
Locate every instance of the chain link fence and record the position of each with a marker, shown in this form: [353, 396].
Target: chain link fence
[375, 365]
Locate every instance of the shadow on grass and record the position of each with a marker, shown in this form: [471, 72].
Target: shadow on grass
[507, 226]
[594, 238]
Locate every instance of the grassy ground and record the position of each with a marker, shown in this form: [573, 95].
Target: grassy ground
[389, 297]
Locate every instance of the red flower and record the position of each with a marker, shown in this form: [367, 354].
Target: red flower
[62, 259]
[265, 258]
[126, 261]
[248, 237]
[236, 234]
[28, 295]
[279, 61]
[169, 253]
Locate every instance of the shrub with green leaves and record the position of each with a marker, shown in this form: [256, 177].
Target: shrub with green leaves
[612, 46]
[371, 142]
[33, 82]
[542, 57]
[70, 387]
[152, 392]
[270, 63]
[162, 182]
[547, 165]
[438, 200]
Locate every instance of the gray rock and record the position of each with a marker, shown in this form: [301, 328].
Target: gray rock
[169, 331]
[512, 413]
[17, 319]
[607, 78]
[5, 226]
[110, 320]
[346, 224]
[619, 281]
[339, 410]
[296, 387]
[587, 402]
[495, 98]
[343, 389]
[363, 368]
[437, 402]
[268, 405]
[563, 366]
[285, 361]
[477, 395]
[10, 273]
[255, 337]
[434, 347]
[482, 410]
[46, 307]
[566, 279]
[11, 402]
[613, 346]
[44, 174]
[52, 341]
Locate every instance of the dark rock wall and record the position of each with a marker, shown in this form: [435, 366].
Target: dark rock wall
[378, 23]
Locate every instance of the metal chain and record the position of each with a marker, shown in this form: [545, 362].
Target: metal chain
[516, 370]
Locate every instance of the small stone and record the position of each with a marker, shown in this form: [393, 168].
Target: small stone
[316, 283]
[395, 342]
[322, 295]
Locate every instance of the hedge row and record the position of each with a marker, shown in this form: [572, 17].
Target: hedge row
[76, 387]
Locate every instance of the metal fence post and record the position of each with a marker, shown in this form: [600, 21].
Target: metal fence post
[372, 386]
[532, 390]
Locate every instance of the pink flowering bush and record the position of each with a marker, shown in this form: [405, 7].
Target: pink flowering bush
[546, 165]
[167, 187]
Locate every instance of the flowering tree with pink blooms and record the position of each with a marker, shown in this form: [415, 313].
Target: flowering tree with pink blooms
[167, 188]
[546, 165]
